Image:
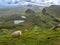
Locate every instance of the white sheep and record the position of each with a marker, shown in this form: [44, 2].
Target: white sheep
[16, 34]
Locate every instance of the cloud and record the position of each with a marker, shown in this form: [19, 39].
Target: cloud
[36, 2]
[57, 2]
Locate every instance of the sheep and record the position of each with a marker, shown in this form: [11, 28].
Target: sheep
[16, 34]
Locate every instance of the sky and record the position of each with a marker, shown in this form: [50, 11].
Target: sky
[43, 2]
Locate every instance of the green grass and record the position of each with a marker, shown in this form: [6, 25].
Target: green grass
[32, 37]
[54, 10]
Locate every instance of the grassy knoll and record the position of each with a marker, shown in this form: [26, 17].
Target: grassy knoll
[32, 37]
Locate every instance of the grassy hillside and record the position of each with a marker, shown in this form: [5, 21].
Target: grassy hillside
[38, 26]
[52, 14]
[32, 37]
[54, 10]
[44, 21]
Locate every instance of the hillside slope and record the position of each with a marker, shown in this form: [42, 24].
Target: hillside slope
[53, 14]
[54, 10]
[32, 37]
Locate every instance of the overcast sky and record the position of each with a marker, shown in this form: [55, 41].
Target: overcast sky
[45, 1]
[56, 2]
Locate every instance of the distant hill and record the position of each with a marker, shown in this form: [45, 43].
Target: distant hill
[52, 14]
[19, 9]
[47, 17]
[54, 10]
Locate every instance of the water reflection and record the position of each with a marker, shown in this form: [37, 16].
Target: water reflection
[18, 21]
